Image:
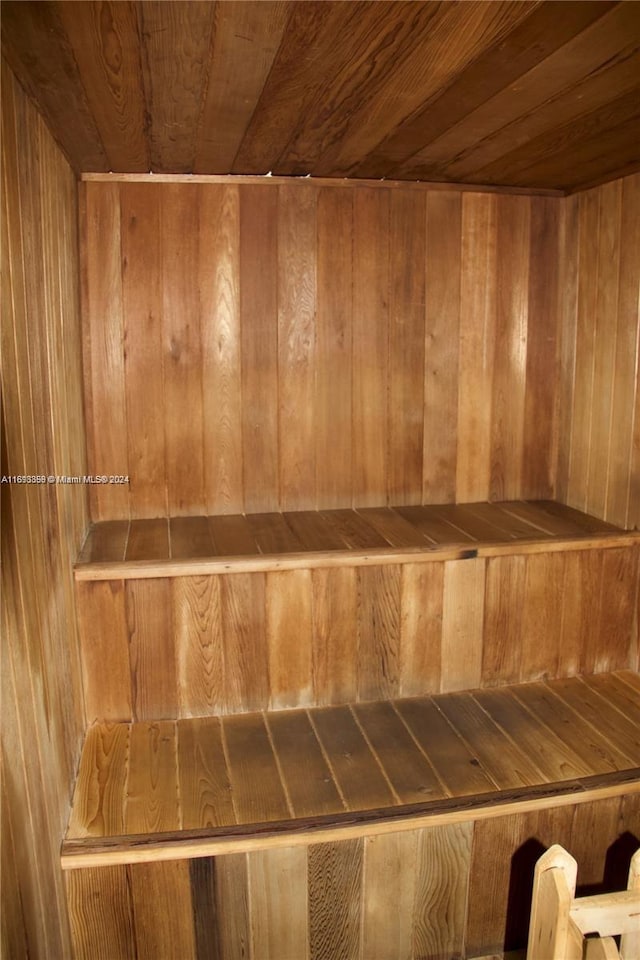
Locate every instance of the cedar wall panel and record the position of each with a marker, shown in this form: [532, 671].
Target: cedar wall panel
[191, 646]
[599, 457]
[434, 893]
[292, 346]
[42, 525]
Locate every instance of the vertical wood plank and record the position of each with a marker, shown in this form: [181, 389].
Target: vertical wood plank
[142, 311]
[406, 346]
[370, 346]
[279, 907]
[104, 644]
[477, 324]
[335, 899]
[219, 291]
[232, 907]
[101, 913]
[335, 632]
[289, 635]
[199, 644]
[540, 441]
[442, 321]
[259, 333]
[503, 627]
[246, 654]
[163, 910]
[182, 350]
[462, 622]
[510, 347]
[103, 270]
[541, 606]
[152, 800]
[297, 266]
[442, 880]
[582, 587]
[389, 885]
[202, 878]
[378, 632]
[152, 652]
[568, 319]
[333, 388]
[421, 628]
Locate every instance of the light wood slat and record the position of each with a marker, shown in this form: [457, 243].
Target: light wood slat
[456, 766]
[378, 637]
[98, 802]
[246, 649]
[506, 764]
[308, 780]
[154, 683]
[190, 537]
[148, 540]
[232, 536]
[630, 678]
[503, 625]
[518, 526]
[272, 534]
[411, 776]
[205, 791]
[198, 638]
[541, 637]
[101, 913]
[152, 800]
[421, 602]
[334, 608]
[389, 894]
[279, 925]
[395, 529]
[105, 651]
[162, 912]
[354, 767]
[218, 304]
[289, 629]
[105, 542]
[550, 753]
[232, 903]
[259, 333]
[594, 749]
[462, 624]
[255, 780]
[586, 522]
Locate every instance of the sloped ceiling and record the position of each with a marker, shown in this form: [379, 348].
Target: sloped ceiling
[528, 94]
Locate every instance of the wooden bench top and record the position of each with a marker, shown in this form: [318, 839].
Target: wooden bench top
[172, 789]
[175, 546]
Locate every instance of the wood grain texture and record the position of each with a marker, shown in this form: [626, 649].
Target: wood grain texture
[43, 525]
[335, 892]
[600, 474]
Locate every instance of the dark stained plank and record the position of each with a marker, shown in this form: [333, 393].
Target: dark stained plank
[105, 542]
[190, 537]
[457, 767]
[397, 531]
[504, 761]
[205, 791]
[584, 740]
[552, 755]
[354, 530]
[272, 534]
[308, 780]
[258, 794]
[202, 880]
[232, 536]
[148, 540]
[354, 767]
[406, 767]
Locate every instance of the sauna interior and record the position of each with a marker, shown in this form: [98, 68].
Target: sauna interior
[343, 299]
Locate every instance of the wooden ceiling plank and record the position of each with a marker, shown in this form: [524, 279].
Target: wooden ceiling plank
[567, 136]
[357, 62]
[548, 27]
[37, 49]
[175, 40]
[246, 39]
[105, 43]
[440, 39]
[595, 91]
[298, 70]
[610, 154]
[587, 52]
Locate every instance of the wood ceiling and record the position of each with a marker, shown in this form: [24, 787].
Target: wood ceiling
[524, 94]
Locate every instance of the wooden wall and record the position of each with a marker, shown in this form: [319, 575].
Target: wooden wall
[267, 346]
[431, 894]
[190, 646]
[599, 460]
[42, 526]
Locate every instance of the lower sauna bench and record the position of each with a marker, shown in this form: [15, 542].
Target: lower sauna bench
[374, 830]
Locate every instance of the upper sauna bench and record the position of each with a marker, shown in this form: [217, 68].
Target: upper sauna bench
[122, 549]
